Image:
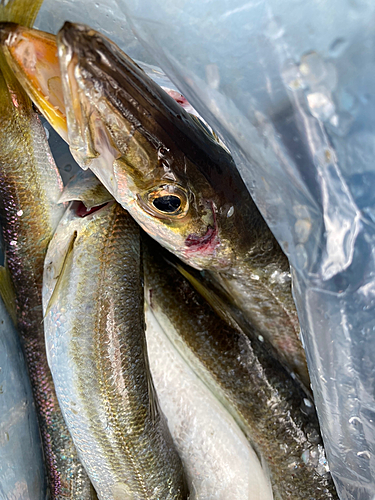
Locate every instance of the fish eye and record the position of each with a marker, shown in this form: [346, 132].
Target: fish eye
[168, 203]
[166, 200]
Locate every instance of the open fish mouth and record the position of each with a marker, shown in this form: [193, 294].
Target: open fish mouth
[32, 55]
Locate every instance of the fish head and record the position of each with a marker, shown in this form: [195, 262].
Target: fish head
[32, 56]
[153, 157]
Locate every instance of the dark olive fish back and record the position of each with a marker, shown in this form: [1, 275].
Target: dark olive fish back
[269, 405]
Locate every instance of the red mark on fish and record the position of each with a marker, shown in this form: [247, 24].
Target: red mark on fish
[206, 243]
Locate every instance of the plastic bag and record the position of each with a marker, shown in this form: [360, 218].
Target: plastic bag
[289, 88]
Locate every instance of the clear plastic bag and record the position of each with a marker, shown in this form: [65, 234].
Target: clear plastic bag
[289, 87]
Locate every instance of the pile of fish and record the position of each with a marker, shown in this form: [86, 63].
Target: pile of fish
[216, 404]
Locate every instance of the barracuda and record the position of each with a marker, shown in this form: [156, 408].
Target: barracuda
[94, 323]
[165, 168]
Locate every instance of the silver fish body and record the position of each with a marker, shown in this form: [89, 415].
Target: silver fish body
[202, 428]
[93, 298]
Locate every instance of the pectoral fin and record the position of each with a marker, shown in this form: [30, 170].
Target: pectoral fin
[59, 277]
[212, 297]
[86, 187]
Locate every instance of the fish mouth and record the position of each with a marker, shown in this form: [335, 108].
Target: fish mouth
[77, 108]
[32, 56]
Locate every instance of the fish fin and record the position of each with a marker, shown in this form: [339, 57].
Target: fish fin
[154, 406]
[20, 11]
[211, 296]
[93, 495]
[85, 187]
[121, 491]
[8, 293]
[60, 275]
[153, 398]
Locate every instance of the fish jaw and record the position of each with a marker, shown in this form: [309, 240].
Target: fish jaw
[32, 56]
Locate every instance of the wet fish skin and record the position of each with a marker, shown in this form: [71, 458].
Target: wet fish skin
[30, 186]
[202, 428]
[147, 150]
[96, 348]
[266, 402]
[254, 272]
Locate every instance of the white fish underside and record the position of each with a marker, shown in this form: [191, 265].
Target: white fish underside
[219, 461]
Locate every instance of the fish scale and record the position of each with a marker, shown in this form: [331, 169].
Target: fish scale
[29, 189]
[267, 404]
[146, 150]
[96, 348]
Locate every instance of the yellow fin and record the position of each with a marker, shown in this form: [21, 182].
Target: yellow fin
[32, 56]
[8, 293]
[59, 276]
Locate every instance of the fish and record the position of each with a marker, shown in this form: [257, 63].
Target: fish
[177, 181]
[94, 325]
[30, 186]
[268, 405]
[22, 471]
[202, 427]
[32, 56]
[170, 172]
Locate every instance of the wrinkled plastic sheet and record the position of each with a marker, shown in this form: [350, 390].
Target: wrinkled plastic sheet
[289, 87]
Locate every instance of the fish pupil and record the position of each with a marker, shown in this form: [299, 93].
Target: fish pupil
[168, 203]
